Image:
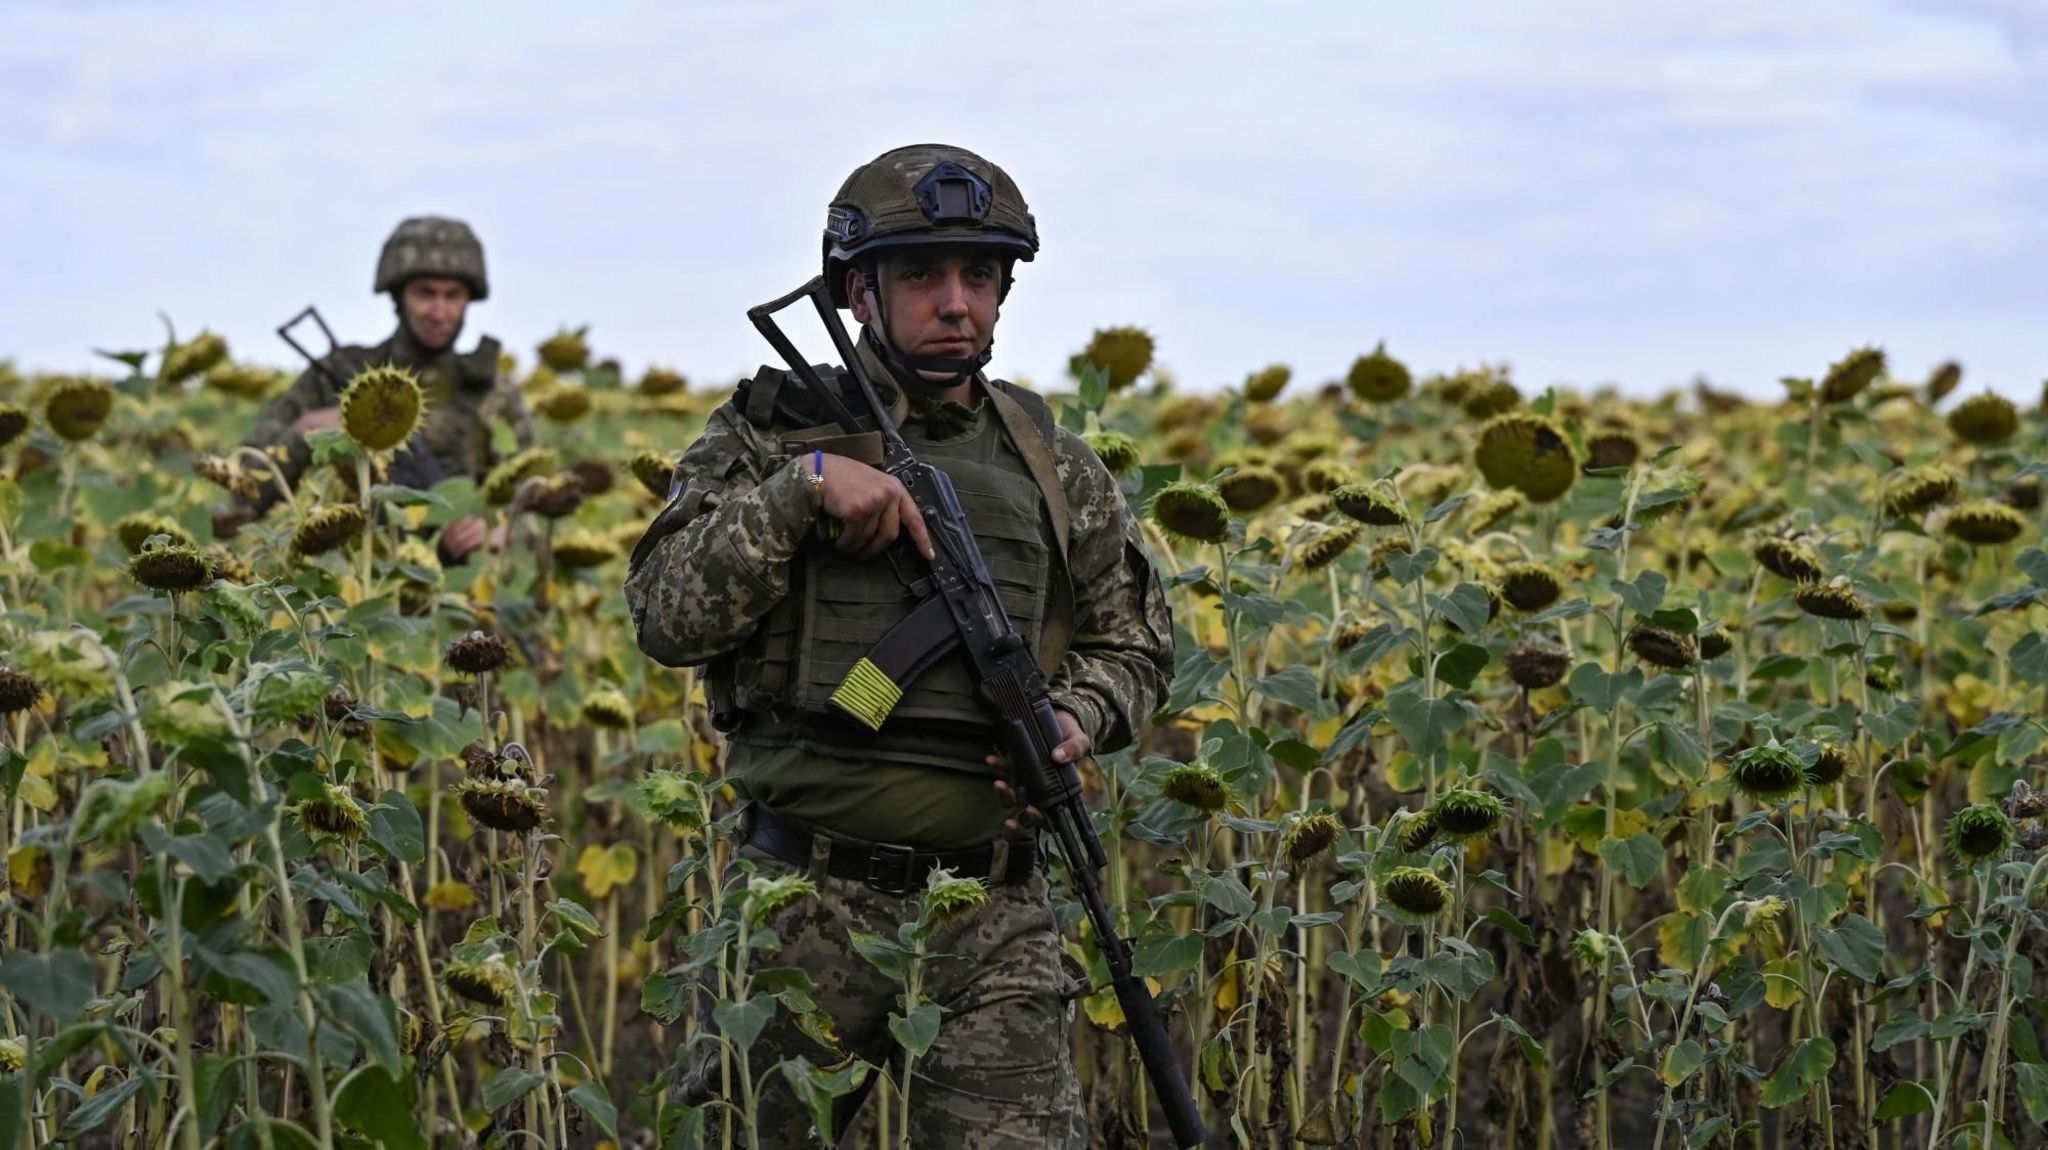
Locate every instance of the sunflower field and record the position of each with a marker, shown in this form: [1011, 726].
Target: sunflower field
[1540, 771]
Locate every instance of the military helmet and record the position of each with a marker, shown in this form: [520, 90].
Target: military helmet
[923, 194]
[432, 246]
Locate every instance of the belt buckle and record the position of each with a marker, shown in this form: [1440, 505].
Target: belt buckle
[891, 868]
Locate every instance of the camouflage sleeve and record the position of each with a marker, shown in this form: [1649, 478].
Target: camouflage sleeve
[273, 434]
[1120, 663]
[506, 404]
[716, 559]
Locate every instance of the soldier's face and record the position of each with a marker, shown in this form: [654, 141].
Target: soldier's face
[938, 302]
[433, 309]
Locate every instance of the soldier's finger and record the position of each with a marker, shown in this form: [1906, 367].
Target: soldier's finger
[886, 527]
[913, 521]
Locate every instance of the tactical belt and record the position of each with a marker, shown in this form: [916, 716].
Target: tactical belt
[885, 867]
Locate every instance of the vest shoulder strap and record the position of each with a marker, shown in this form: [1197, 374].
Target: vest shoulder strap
[1028, 420]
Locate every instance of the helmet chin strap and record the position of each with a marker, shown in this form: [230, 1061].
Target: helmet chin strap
[907, 366]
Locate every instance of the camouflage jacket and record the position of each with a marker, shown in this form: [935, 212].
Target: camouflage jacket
[718, 557]
[464, 393]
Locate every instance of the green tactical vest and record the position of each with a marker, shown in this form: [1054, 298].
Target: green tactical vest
[837, 609]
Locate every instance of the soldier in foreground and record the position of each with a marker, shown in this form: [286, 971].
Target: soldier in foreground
[433, 269]
[764, 567]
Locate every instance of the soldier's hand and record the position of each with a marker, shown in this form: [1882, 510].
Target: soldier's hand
[1074, 746]
[463, 536]
[873, 507]
[319, 419]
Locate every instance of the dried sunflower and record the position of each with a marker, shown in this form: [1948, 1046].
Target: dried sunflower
[1916, 489]
[1664, 648]
[654, 470]
[1715, 643]
[662, 381]
[1349, 634]
[19, 691]
[1831, 601]
[555, 497]
[2024, 494]
[334, 812]
[477, 653]
[1416, 891]
[565, 350]
[1379, 377]
[172, 567]
[503, 481]
[1122, 354]
[381, 407]
[489, 983]
[13, 421]
[564, 403]
[1534, 666]
[1984, 419]
[1192, 511]
[1946, 378]
[1610, 449]
[1196, 785]
[135, 530]
[1327, 546]
[1416, 833]
[1493, 509]
[76, 408]
[1984, 524]
[1767, 773]
[1979, 832]
[1118, 452]
[1528, 453]
[1251, 488]
[1490, 397]
[1790, 559]
[502, 804]
[608, 709]
[593, 475]
[1848, 377]
[1530, 586]
[1314, 508]
[1829, 765]
[244, 382]
[1310, 836]
[1266, 384]
[575, 550]
[200, 354]
[1325, 475]
[327, 528]
[1369, 505]
[1463, 813]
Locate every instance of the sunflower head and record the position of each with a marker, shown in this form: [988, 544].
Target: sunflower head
[230, 566]
[1790, 559]
[502, 804]
[1528, 453]
[334, 812]
[1829, 765]
[1662, 647]
[487, 983]
[1979, 832]
[1416, 891]
[1118, 452]
[1610, 449]
[381, 407]
[1349, 634]
[241, 382]
[1196, 785]
[662, 381]
[553, 497]
[19, 691]
[1327, 546]
[1715, 643]
[1835, 600]
[1767, 773]
[1416, 832]
[1323, 476]
[76, 408]
[1379, 377]
[609, 709]
[948, 898]
[654, 470]
[1463, 813]
[170, 567]
[1984, 524]
[1192, 511]
[1529, 586]
[503, 481]
[477, 653]
[1122, 353]
[1883, 679]
[1309, 836]
[1535, 666]
[1266, 384]
[1313, 508]
[1945, 379]
[565, 350]
[327, 528]
[1984, 419]
[1368, 504]
[1916, 489]
[1250, 488]
[200, 354]
[1849, 376]
[13, 421]
[575, 550]
[1493, 509]
[135, 530]
[1489, 396]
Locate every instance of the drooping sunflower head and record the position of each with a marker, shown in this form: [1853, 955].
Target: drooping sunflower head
[76, 408]
[1197, 785]
[1416, 832]
[1415, 890]
[477, 653]
[1322, 476]
[2024, 494]
[1946, 378]
[564, 403]
[1250, 488]
[551, 497]
[334, 812]
[1122, 353]
[1464, 813]
[1326, 546]
[502, 804]
[1829, 765]
[565, 350]
[1767, 772]
[488, 982]
[1490, 395]
[609, 709]
[173, 567]
[13, 421]
[1916, 489]
[1266, 384]
[201, 353]
[1118, 452]
[658, 381]
[327, 528]
[1610, 449]
[1662, 647]
[1984, 419]
[242, 382]
[1979, 832]
[1535, 666]
[1379, 377]
[1493, 509]
[948, 897]
[382, 407]
[1309, 836]
[135, 529]
[1529, 586]
[1833, 600]
[576, 550]
[1350, 633]
[1193, 511]
[1984, 524]
[654, 470]
[1790, 559]
[1714, 643]
[1369, 505]
[1528, 453]
[1849, 376]
[503, 481]
[19, 691]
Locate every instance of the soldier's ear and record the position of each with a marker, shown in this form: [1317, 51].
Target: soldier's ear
[857, 296]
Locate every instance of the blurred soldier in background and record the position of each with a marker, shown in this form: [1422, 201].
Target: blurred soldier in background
[434, 269]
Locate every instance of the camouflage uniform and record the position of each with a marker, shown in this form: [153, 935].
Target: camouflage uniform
[465, 393]
[713, 564]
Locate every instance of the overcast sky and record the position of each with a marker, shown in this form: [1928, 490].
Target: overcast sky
[1593, 190]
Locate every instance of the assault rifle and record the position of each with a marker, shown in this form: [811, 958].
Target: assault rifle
[956, 586]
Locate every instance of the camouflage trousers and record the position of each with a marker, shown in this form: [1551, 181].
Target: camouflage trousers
[1001, 1074]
